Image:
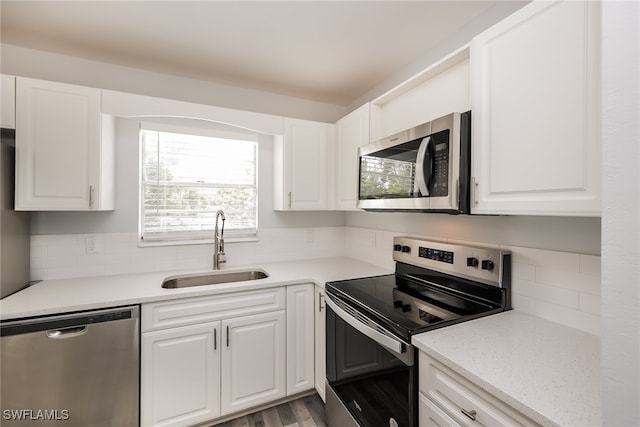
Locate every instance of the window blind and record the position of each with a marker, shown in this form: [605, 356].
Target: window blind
[187, 177]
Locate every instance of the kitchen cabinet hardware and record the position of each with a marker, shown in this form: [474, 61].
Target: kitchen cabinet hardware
[227, 335]
[91, 196]
[469, 414]
[215, 338]
[320, 302]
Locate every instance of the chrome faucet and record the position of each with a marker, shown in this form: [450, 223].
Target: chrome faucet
[218, 243]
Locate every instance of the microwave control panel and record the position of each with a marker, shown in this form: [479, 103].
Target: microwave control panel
[439, 184]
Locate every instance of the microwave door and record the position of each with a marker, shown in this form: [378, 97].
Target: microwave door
[424, 167]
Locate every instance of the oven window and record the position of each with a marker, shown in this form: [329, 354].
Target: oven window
[375, 400]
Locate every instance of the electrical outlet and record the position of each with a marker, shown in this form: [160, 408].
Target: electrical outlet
[92, 245]
[310, 236]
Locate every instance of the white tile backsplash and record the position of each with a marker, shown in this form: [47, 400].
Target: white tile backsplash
[559, 286]
[65, 256]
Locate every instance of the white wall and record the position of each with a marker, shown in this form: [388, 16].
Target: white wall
[621, 214]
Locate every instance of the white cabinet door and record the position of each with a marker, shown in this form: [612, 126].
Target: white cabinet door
[64, 151]
[352, 132]
[253, 360]
[301, 166]
[320, 332]
[300, 341]
[8, 105]
[300, 338]
[535, 96]
[180, 375]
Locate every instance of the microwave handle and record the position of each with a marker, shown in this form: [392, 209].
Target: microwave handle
[423, 177]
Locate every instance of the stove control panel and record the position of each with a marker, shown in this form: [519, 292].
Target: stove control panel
[435, 254]
[483, 264]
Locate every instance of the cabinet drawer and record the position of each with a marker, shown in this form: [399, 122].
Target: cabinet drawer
[463, 401]
[432, 416]
[189, 311]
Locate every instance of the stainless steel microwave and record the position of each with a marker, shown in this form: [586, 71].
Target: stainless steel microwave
[426, 168]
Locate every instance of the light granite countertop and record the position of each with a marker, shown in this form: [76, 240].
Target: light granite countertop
[546, 371]
[86, 293]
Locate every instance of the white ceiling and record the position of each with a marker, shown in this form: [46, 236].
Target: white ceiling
[327, 51]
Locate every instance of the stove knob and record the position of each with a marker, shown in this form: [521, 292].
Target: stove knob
[406, 249]
[397, 304]
[472, 262]
[406, 308]
[397, 248]
[487, 264]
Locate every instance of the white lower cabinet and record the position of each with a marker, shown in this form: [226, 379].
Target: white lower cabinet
[448, 399]
[207, 357]
[181, 375]
[253, 361]
[319, 337]
[300, 341]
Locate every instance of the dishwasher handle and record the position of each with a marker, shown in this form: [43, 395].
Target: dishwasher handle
[71, 332]
[69, 322]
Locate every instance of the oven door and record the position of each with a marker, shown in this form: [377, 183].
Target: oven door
[372, 377]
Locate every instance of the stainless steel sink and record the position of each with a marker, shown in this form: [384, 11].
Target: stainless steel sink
[213, 278]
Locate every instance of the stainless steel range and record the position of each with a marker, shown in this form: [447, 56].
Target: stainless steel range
[372, 370]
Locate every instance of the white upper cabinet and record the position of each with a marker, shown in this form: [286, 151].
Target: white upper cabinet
[300, 166]
[64, 148]
[8, 105]
[535, 95]
[352, 132]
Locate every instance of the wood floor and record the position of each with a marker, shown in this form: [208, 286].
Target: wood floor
[304, 412]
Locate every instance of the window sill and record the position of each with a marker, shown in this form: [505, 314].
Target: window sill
[159, 243]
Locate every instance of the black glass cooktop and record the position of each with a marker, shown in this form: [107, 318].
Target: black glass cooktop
[408, 304]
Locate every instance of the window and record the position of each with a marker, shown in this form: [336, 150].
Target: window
[188, 175]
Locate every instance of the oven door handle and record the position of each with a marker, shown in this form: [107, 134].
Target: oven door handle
[394, 345]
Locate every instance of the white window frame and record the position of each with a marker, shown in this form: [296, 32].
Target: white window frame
[162, 239]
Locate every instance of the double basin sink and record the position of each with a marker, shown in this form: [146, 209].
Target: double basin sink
[188, 280]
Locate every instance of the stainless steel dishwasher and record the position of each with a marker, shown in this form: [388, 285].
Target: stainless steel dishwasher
[77, 369]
